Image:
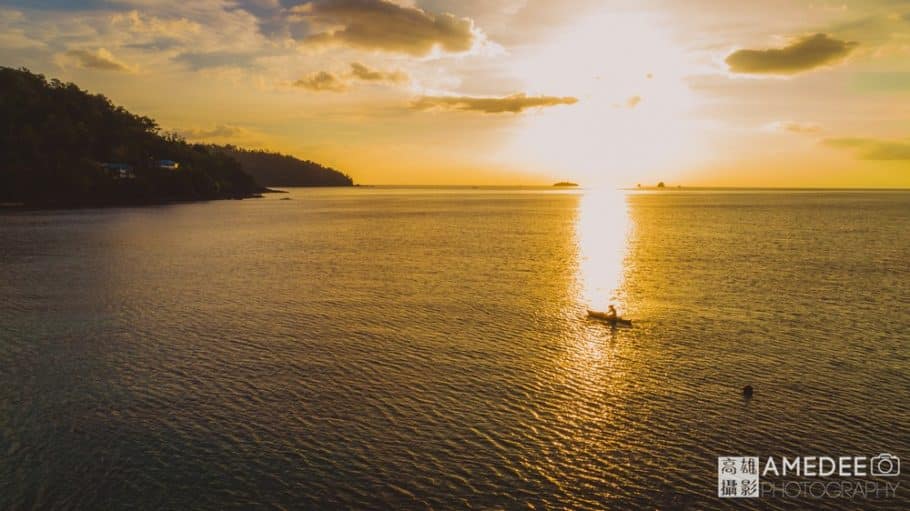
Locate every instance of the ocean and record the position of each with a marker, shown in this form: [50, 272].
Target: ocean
[428, 348]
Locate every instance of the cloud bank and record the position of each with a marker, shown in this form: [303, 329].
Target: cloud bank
[218, 131]
[100, 59]
[362, 72]
[322, 81]
[515, 103]
[801, 55]
[873, 148]
[386, 26]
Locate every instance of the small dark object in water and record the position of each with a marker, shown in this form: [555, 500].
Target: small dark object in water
[613, 320]
[285, 198]
[747, 391]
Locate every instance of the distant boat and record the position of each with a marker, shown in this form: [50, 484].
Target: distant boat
[566, 184]
[604, 317]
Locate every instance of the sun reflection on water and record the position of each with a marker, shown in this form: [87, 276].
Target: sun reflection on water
[594, 376]
[603, 230]
[593, 361]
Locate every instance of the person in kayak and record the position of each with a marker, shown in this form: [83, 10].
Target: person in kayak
[611, 312]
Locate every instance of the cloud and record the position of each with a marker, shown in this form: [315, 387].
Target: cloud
[794, 127]
[100, 59]
[146, 36]
[225, 134]
[158, 44]
[802, 54]
[64, 5]
[219, 131]
[362, 72]
[214, 59]
[873, 148]
[383, 25]
[139, 24]
[491, 105]
[322, 81]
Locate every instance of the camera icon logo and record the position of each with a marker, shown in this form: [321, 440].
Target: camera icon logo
[884, 465]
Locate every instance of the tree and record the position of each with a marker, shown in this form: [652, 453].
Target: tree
[54, 138]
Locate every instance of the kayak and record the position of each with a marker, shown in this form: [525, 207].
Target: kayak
[613, 321]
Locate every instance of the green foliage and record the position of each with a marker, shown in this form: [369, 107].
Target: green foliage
[54, 138]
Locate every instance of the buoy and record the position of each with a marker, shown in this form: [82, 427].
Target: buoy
[747, 391]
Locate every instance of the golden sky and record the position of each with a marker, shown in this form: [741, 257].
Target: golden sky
[700, 92]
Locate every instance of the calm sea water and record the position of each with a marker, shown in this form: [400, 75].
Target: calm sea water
[428, 348]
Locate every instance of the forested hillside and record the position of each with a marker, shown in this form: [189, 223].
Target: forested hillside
[274, 169]
[62, 146]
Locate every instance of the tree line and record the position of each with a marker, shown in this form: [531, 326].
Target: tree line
[274, 169]
[58, 142]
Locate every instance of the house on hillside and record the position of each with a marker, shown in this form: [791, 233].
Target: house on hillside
[168, 165]
[119, 170]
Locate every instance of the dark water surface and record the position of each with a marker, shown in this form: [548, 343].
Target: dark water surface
[427, 348]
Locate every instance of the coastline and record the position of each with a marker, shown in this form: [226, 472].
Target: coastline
[22, 206]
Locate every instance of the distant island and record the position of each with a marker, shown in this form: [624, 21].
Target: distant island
[64, 147]
[565, 184]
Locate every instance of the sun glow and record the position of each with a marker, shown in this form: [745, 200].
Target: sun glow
[630, 122]
[603, 230]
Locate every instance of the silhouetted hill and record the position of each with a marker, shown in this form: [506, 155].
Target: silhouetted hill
[64, 147]
[274, 169]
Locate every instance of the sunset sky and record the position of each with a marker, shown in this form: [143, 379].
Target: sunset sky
[697, 92]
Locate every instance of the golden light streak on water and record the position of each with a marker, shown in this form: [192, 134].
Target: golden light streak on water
[603, 231]
[593, 362]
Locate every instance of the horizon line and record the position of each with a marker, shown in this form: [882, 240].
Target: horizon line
[627, 188]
